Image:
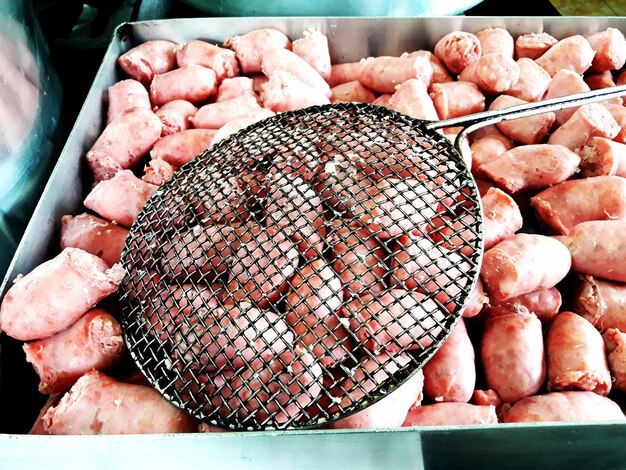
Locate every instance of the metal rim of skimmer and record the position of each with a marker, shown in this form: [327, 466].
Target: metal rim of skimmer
[210, 302]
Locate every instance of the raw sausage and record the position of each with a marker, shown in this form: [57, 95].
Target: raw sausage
[512, 355]
[576, 356]
[149, 59]
[450, 375]
[124, 142]
[94, 342]
[93, 235]
[121, 198]
[532, 167]
[603, 303]
[522, 264]
[565, 205]
[57, 293]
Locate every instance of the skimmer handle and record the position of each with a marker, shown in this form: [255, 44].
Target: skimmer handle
[476, 121]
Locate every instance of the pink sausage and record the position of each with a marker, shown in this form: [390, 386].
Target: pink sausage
[252, 47]
[601, 302]
[262, 268]
[268, 387]
[93, 235]
[313, 48]
[344, 73]
[395, 321]
[38, 425]
[522, 264]
[450, 414]
[284, 92]
[283, 60]
[615, 342]
[486, 398]
[175, 116]
[573, 53]
[530, 130]
[562, 207]
[126, 94]
[226, 201]
[486, 131]
[533, 45]
[588, 121]
[496, 41]
[388, 413]
[512, 355]
[619, 114]
[453, 99]
[231, 337]
[371, 373]
[312, 307]
[222, 61]
[476, 301]
[57, 293]
[610, 49]
[383, 74]
[600, 80]
[98, 404]
[457, 50]
[215, 115]
[148, 59]
[192, 83]
[597, 246]
[576, 356]
[241, 123]
[531, 167]
[493, 73]
[440, 74]
[383, 100]
[352, 91]
[416, 263]
[397, 206]
[182, 147]
[600, 156]
[234, 88]
[545, 303]
[597, 81]
[93, 342]
[564, 406]
[450, 375]
[123, 142]
[411, 98]
[121, 198]
[158, 172]
[203, 253]
[502, 217]
[565, 82]
[258, 82]
[358, 259]
[487, 149]
[293, 206]
[533, 81]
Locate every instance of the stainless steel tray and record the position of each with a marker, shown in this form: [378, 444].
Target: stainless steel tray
[597, 445]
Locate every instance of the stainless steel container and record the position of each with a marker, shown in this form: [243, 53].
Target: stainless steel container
[589, 445]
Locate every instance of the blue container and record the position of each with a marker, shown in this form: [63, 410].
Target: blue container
[30, 104]
[390, 8]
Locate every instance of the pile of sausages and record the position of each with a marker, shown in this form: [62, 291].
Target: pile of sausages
[546, 352]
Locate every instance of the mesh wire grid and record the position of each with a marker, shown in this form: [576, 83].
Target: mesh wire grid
[302, 269]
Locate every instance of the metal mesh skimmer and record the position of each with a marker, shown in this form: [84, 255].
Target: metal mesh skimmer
[302, 269]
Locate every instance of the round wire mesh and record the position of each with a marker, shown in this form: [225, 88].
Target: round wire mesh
[302, 269]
